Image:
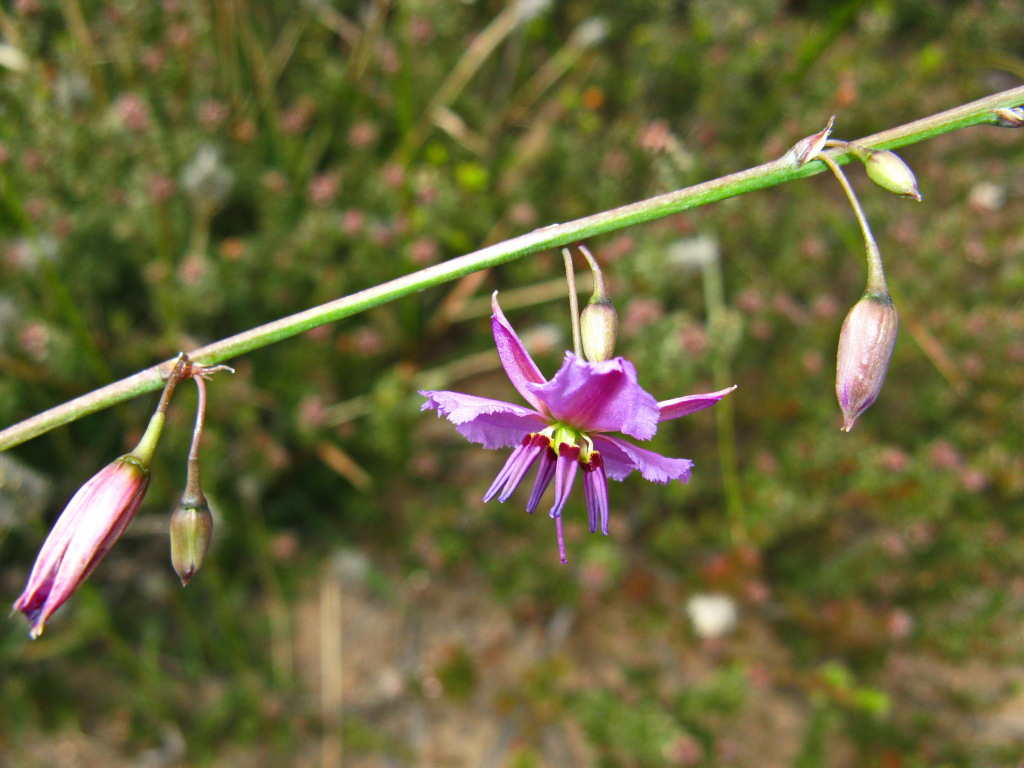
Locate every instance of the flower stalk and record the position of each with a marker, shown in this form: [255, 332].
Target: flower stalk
[191, 522]
[876, 271]
[984, 111]
[574, 305]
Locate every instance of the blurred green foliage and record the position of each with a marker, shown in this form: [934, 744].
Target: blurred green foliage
[175, 172]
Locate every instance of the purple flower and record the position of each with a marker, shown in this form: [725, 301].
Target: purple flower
[564, 431]
[92, 521]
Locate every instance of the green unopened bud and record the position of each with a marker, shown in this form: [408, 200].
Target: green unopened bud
[888, 171]
[599, 325]
[865, 348]
[191, 530]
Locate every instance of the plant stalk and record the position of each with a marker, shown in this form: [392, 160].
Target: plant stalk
[769, 174]
[876, 272]
[574, 304]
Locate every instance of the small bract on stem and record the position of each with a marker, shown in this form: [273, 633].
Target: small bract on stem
[1010, 117]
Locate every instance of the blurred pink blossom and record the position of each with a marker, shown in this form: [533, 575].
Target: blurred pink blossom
[179, 35]
[296, 120]
[750, 300]
[212, 114]
[943, 455]
[324, 188]
[133, 112]
[363, 134]
[275, 182]
[973, 480]
[900, 624]
[393, 175]
[161, 188]
[640, 312]
[352, 221]
[522, 214]
[34, 340]
[655, 136]
[894, 460]
[424, 251]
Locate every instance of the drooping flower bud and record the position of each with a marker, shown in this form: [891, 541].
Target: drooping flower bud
[191, 530]
[92, 522]
[599, 325]
[866, 344]
[888, 171]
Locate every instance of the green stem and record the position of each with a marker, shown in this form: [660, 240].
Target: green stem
[574, 305]
[147, 445]
[600, 288]
[876, 272]
[981, 112]
[193, 495]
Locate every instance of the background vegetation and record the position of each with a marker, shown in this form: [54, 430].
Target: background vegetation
[174, 172]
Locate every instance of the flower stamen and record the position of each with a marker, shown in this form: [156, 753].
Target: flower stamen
[545, 472]
[595, 492]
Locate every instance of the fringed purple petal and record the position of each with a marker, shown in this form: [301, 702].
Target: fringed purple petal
[518, 364]
[621, 458]
[600, 397]
[684, 406]
[492, 423]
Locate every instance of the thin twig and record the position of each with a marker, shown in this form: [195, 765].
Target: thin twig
[979, 112]
[876, 272]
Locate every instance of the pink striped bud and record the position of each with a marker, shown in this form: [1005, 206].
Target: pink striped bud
[92, 521]
[866, 343]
